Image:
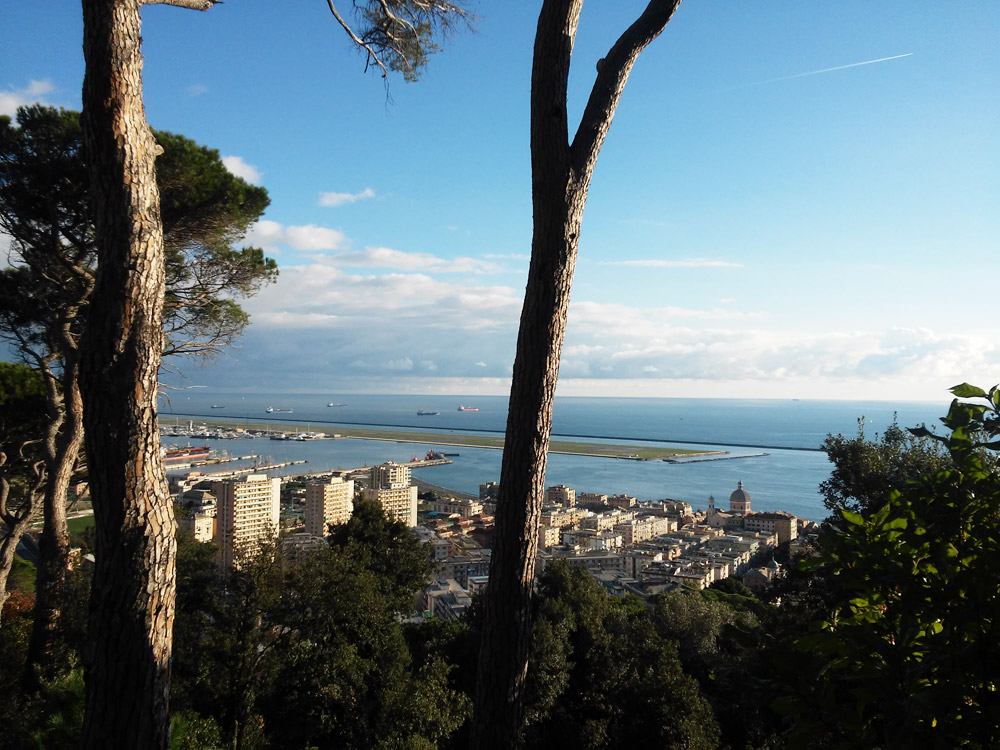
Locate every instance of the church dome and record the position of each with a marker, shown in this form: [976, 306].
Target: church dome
[739, 501]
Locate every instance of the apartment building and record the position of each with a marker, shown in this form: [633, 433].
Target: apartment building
[246, 512]
[327, 503]
[391, 488]
[560, 494]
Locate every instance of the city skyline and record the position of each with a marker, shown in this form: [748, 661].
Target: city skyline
[793, 201]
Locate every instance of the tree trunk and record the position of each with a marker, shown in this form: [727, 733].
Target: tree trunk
[560, 178]
[16, 522]
[127, 664]
[65, 435]
[8, 546]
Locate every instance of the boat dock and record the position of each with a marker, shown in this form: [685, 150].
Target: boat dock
[700, 459]
[363, 469]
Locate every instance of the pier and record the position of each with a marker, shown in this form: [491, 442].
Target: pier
[717, 457]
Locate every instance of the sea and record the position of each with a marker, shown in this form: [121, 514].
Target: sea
[774, 446]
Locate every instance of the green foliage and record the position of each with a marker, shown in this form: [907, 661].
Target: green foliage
[61, 713]
[601, 675]
[191, 731]
[22, 406]
[387, 549]
[22, 576]
[865, 470]
[399, 35]
[313, 655]
[45, 208]
[910, 641]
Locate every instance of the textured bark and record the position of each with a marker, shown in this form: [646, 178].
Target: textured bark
[560, 178]
[8, 545]
[16, 523]
[127, 664]
[62, 449]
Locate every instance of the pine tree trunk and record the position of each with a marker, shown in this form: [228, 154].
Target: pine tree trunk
[132, 600]
[8, 546]
[45, 650]
[560, 179]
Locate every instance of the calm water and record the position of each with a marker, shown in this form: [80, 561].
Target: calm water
[789, 431]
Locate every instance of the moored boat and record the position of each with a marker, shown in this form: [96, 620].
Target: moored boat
[189, 453]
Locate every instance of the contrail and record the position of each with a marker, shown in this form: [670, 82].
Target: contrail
[830, 70]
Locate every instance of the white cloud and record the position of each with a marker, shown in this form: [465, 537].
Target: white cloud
[34, 93]
[198, 89]
[240, 168]
[404, 364]
[385, 257]
[661, 263]
[289, 319]
[269, 234]
[425, 329]
[507, 256]
[341, 199]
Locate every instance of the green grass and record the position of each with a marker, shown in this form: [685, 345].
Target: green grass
[78, 525]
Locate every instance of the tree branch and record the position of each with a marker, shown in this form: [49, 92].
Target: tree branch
[554, 37]
[372, 55]
[191, 4]
[612, 73]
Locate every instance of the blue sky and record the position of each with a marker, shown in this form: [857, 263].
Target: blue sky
[768, 218]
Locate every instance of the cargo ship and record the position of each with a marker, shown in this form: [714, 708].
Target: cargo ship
[271, 409]
[468, 408]
[423, 413]
[177, 455]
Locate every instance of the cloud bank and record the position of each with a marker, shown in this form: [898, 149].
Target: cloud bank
[34, 93]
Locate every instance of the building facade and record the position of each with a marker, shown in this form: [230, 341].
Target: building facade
[739, 501]
[328, 503]
[560, 494]
[391, 488]
[246, 513]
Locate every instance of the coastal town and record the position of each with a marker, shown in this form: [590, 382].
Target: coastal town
[629, 546]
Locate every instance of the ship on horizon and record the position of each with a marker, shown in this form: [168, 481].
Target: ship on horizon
[271, 409]
[335, 404]
[422, 413]
[468, 408]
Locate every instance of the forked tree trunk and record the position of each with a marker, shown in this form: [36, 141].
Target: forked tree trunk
[16, 523]
[65, 436]
[127, 663]
[560, 178]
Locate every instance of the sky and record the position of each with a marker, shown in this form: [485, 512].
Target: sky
[795, 200]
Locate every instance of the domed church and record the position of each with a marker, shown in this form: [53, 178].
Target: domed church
[739, 501]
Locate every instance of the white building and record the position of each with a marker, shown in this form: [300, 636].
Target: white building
[328, 503]
[560, 494]
[246, 512]
[391, 488]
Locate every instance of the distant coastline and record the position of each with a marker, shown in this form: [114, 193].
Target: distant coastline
[289, 425]
[595, 450]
